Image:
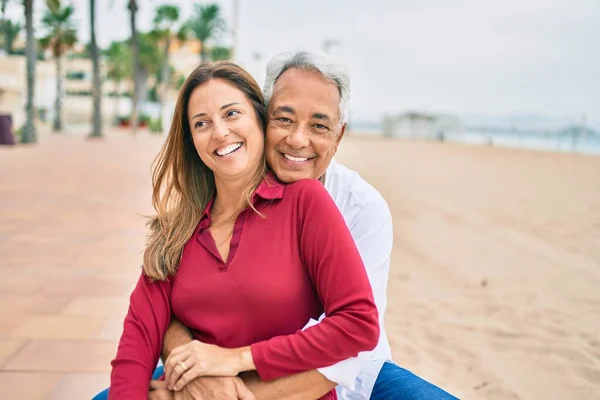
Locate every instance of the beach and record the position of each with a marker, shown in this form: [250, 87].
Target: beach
[493, 289]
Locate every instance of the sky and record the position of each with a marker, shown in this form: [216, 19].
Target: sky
[467, 57]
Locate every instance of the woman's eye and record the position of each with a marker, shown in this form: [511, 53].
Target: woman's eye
[231, 113]
[199, 124]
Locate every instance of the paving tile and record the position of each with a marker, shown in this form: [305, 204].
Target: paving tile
[112, 329]
[20, 285]
[10, 321]
[86, 286]
[27, 386]
[63, 356]
[31, 304]
[98, 305]
[79, 386]
[9, 347]
[57, 327]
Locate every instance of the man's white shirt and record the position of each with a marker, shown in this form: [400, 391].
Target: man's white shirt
[368, 217]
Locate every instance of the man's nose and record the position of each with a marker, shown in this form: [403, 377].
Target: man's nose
[298, 138]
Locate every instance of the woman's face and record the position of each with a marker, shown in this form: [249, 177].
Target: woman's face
[225, 130]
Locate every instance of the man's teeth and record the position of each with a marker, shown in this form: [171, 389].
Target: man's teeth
[297, 159]
[229, 149]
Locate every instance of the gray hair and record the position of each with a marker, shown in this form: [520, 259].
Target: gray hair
[326, 65]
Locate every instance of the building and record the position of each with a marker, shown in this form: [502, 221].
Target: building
[420, 125]
[13, 88]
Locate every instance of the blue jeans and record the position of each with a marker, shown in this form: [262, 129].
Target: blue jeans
[103, 395]
[395, 383]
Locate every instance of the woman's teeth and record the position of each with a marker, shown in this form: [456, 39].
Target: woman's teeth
[228, 149]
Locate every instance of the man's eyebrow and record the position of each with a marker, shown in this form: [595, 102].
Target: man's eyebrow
[324, 117]
[287, 109]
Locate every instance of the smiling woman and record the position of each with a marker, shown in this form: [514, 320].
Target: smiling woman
[240, 258]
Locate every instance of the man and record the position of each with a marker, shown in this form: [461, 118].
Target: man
[307, 96]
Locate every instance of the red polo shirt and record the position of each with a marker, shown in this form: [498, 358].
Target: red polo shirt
[295, 262]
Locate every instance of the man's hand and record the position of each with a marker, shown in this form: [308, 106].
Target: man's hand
[215, 388]
[159, 391]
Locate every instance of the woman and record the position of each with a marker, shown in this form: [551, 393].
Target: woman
[240, 258]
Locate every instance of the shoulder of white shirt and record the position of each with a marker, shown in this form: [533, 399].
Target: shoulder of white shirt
[352, 193]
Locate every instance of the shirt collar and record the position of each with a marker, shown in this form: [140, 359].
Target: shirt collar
[328, 171]
[270, 188]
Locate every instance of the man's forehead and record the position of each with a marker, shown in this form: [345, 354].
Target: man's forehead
[294, 78]
[296, 88]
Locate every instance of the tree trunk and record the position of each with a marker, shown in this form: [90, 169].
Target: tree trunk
[203, 54]
[58, 102]
[165, 78]
[6, 32]
[135, 66]
[96, 85]
[142, 79]
[29, 133]
[117, 101]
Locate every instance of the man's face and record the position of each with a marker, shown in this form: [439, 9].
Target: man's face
[304, 130]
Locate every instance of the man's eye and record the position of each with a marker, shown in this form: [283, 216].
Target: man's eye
[321, 127]
[284, 120]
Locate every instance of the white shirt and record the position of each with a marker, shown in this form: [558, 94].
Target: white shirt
[368, 217]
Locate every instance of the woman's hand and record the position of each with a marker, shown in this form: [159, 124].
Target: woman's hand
[200, 359]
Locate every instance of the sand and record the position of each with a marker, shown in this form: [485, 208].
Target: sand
[494, 289]
[494, 284]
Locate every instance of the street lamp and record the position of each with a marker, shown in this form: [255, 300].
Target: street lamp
[329, 43]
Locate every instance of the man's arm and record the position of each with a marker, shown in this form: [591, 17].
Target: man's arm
[308, 385]
[177, 335]
[373, 233]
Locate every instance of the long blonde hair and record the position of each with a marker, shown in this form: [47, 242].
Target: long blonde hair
[182, 184]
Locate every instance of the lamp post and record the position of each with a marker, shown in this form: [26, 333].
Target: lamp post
[236, 23]
[329, 43]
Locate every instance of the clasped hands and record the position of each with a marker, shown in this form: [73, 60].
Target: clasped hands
[197, 359]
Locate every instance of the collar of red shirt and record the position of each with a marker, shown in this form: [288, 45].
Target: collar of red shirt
[269, 189]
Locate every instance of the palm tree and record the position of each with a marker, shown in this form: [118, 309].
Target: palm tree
[29, 134]
[96, 87]
[164, 22]
[207, 24]
[150, 60]
[219, 53]
[118, 67]
[11, 31]
[61, 36]
[4, 24]
[132, 6]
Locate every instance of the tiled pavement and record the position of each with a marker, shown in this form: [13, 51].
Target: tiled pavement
[71, 236]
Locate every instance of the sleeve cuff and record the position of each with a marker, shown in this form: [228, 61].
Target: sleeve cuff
[345, 372]
[258, 356]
